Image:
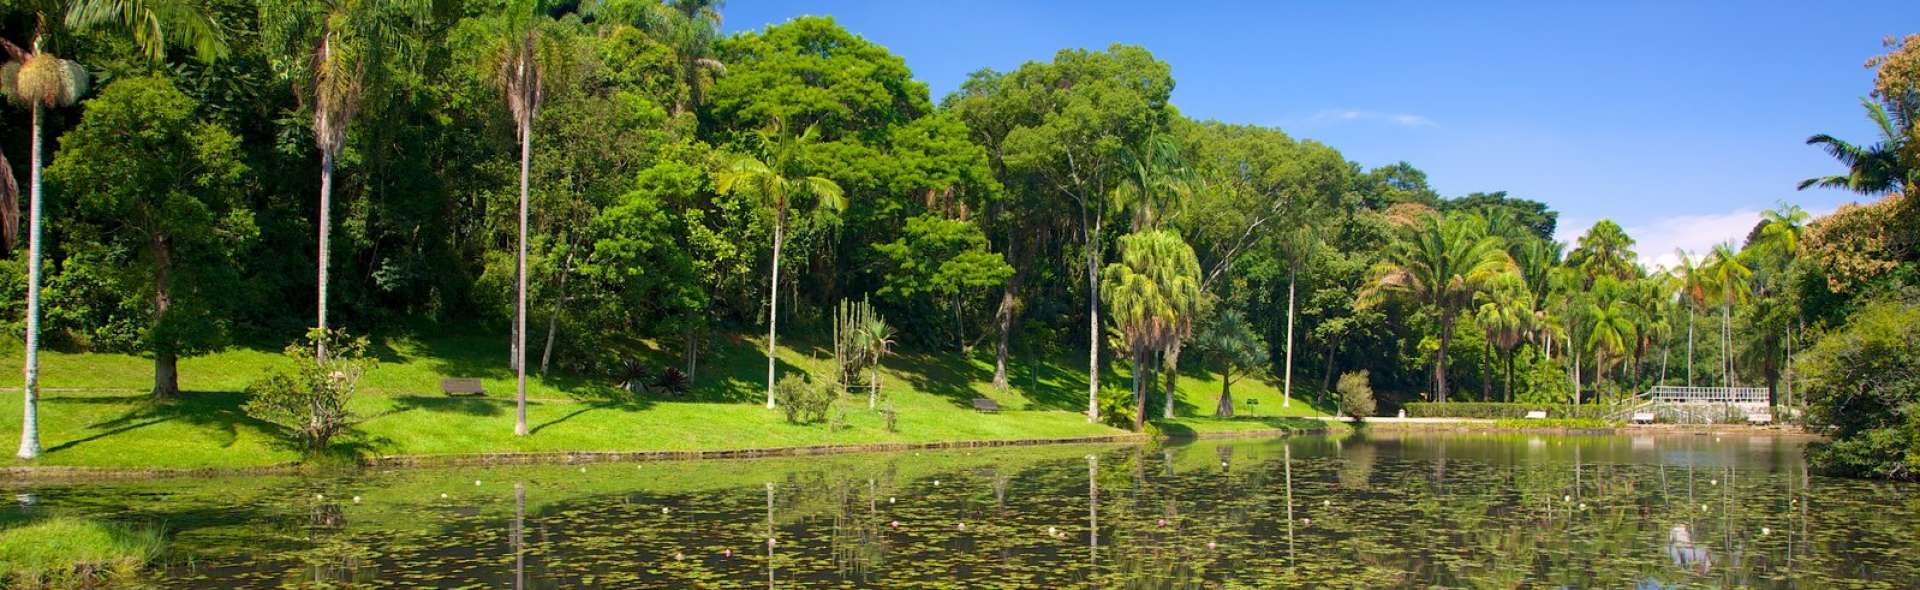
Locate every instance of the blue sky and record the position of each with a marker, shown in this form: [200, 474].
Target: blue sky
[1679, 120]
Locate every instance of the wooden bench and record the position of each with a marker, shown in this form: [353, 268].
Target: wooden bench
[1537, 415]
[462, 388]
[1642, 418]
[986, 405]
[1760, 418]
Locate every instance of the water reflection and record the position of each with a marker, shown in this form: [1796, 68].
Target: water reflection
[1413, 510]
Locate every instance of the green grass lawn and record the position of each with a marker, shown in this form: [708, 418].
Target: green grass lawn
[96, 413]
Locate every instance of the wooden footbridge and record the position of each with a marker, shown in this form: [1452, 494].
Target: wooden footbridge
[1699, 405]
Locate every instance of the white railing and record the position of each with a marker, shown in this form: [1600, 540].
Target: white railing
[1708, 395]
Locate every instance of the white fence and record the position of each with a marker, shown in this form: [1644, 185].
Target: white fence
[1708, 395]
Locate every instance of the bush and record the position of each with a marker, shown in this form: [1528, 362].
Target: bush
[1356, 395]
[310, 402]
[1555, 423]
[803, 401]
[1863, 391]
[1116, 407]
[1496, 411]
[672, 381]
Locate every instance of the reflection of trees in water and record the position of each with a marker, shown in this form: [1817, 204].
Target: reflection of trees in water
[1361, 514]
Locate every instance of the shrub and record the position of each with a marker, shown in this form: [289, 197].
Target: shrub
[1496, 411]
[1356, 394]
[310, 402]
[633, 376]
[803, 401]
[1116, 407]
[1863, 391]
[672, 381]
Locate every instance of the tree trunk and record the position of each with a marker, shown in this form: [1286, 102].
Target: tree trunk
[1093, 327]
[553, 321]
[1689, 347]
[1574, 357]
[1509, 383]
[1440, 357]
[1224, 409]
[1173, 378]
[1141, 377]
[693, 351]
[1286, 392]
[1003, 320]
[520, 300]
[1727, 341]
[1486, 373]
[1333, 357]
[166, 369]
[773, 299]
[30, 388]
[326, 234]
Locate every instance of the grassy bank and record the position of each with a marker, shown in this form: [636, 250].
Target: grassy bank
[95, 412]
[67, 552]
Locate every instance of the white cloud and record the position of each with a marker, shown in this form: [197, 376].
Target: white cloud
[1346, 115]
[1658, 240]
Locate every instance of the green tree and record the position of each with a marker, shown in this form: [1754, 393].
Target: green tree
[1610, 327]
[1506, 314]
[1082, 113]
[1694, 285]
[1152, 289]
[689, 28]
[41, 80]
[1442, 264]
[330, 50]
[1863, 385]
[149, 180]
[1231, 344]
[1728, 274]
[520, 63]
[1605, 251]
[943, 259]
[779, 187]
[1874, 169]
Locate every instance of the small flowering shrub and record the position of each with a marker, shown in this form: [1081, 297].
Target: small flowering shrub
[310, 402]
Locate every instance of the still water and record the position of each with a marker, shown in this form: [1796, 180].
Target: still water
[1380, 510]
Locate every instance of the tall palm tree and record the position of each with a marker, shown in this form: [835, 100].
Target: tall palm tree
[42, 80]
[329, 49]
[1779, 238]
[1727, 273]
[1872, 169]
[1506, 314]
[1150, 292]
[1296, 245]
[1610, 327]
[1442, 265]
[1693, 284]
[517, 69]
[777, 181]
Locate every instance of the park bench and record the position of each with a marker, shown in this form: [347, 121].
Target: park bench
[1537, 415]
[986, 405]
[1760, 418]
[1642, 418]
[462, 387]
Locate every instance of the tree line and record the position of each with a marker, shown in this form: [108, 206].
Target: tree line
[585, 176]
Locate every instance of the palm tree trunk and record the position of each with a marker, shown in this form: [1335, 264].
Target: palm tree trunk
[1003, 321]
[773, 299]
[1508, 386]
[520, 300]
[1173, 378]
[1141, 377]
[326, 234]
[166, 369]
[30, 389]
[1440, 357]
[1727, 343]
[1093, 326]
[1286, 391]
[1689, 347]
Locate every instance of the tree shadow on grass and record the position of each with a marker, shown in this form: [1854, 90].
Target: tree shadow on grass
[470, 406]
[218, 412]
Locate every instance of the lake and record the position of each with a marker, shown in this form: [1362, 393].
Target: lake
[1377, 510]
